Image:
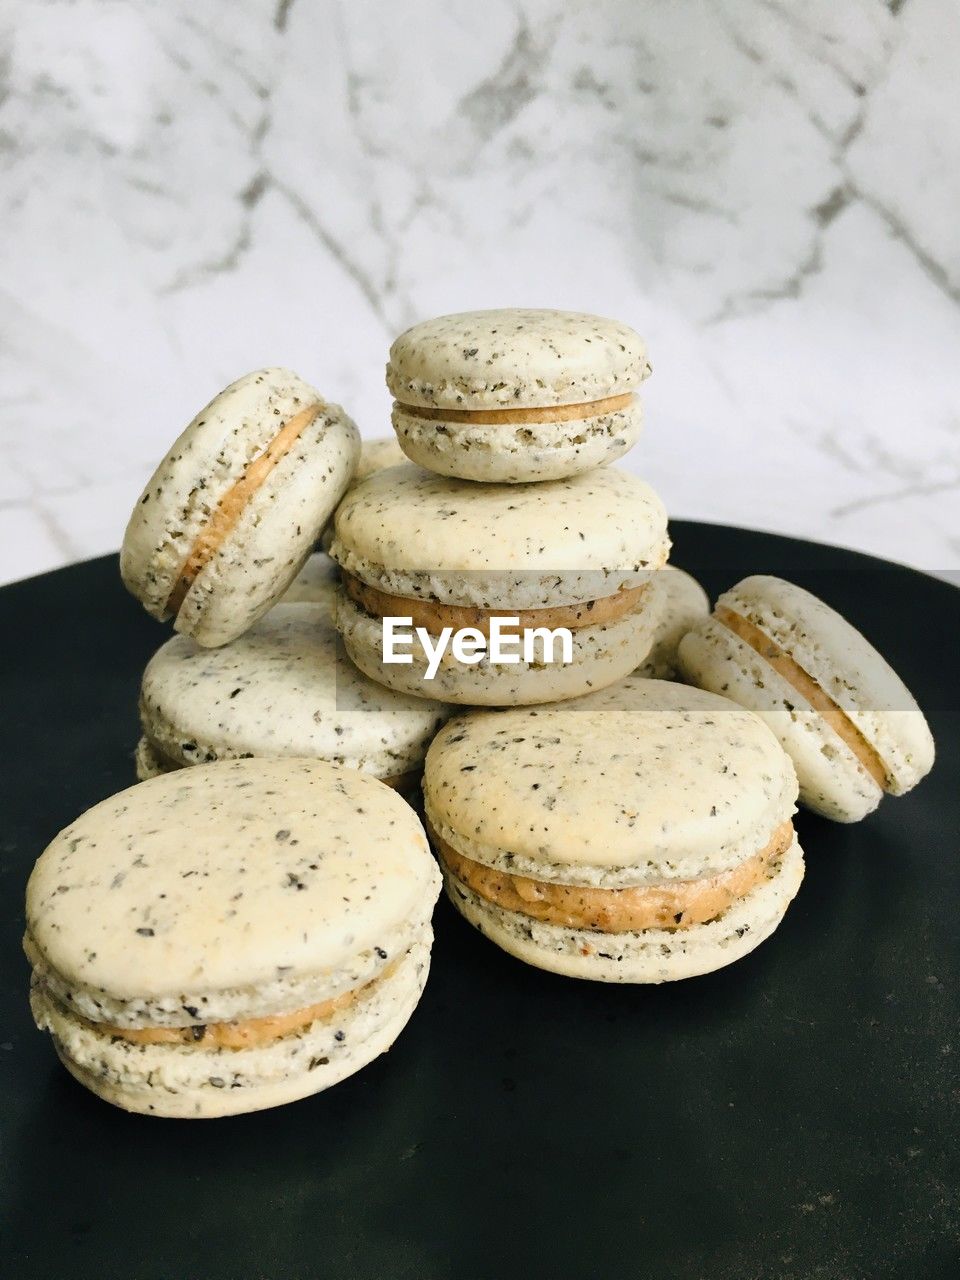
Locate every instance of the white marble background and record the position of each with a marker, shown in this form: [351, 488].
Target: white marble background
[767, 189]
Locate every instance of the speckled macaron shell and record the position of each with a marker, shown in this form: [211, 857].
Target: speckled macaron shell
[232, 891]
[601, 655]
[832, 780]
[316, 583]
[518, 452]
[279, 524]
[640, 783]
[684, 604]
[518, 357]
[409, 532]
[847, 667]
[648, 956]
[284, 688]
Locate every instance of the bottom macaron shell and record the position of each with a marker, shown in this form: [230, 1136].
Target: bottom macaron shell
[649, 956]
[832, 780]
[187, 1082]
[516, 453]
[601, 656]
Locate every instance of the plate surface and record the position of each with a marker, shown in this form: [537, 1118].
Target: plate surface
[794, 1115]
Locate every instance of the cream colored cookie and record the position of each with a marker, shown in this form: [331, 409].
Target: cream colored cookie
[225, 938]
[846, 719]
[638, 834]
[231, 513]
[514, 396]
[285, 688]
[582, 547]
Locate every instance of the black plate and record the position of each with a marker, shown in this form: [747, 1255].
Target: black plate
[792, 1116]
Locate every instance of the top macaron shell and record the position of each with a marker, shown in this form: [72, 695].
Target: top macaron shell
[410, 532]
[282, 689]
[635, 784]
[847, 667]
[227, 885]
[520, 358]
[278, 525]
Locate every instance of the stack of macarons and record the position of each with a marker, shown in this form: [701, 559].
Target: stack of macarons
[508, 509]
[251, 923]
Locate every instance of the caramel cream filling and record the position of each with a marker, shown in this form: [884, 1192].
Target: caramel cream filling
[676, 905]
[229, 509]
[398, 781]
[519, 415]
[248, 1034]
[434, 616]
[807, 687]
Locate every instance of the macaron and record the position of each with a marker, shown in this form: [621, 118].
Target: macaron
[231, 937]
[234, 509]
[456, 558]
[316, 583]
[684, 603]
[641, 834]
[284, 688]
[846, 719]
[516, 395]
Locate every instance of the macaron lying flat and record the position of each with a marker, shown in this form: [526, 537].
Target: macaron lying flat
[231, 937]
[231, 513]
[641, 834]
[449, 554]
[516, 395]
[684, 603]
[285, 688]
[848, 722]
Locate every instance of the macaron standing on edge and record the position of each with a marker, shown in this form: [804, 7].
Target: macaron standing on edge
[640, 834]
[231, 937]
[845, 718]
[516, 395]
[283, 689]
[232, 512]
[578, 553]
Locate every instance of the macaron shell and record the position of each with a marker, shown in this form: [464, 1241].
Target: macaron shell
[847, 667]
[206, 460]
[639, 783]
[832, 780]
[650, 956]
[276, 532]
[520, 357]
[519, 453]
[193, 1082]
[685, 603]
[227, 876]
[413, 533]
[601, 655]
[285, 688]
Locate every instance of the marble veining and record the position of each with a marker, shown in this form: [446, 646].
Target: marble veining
[766, 190]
